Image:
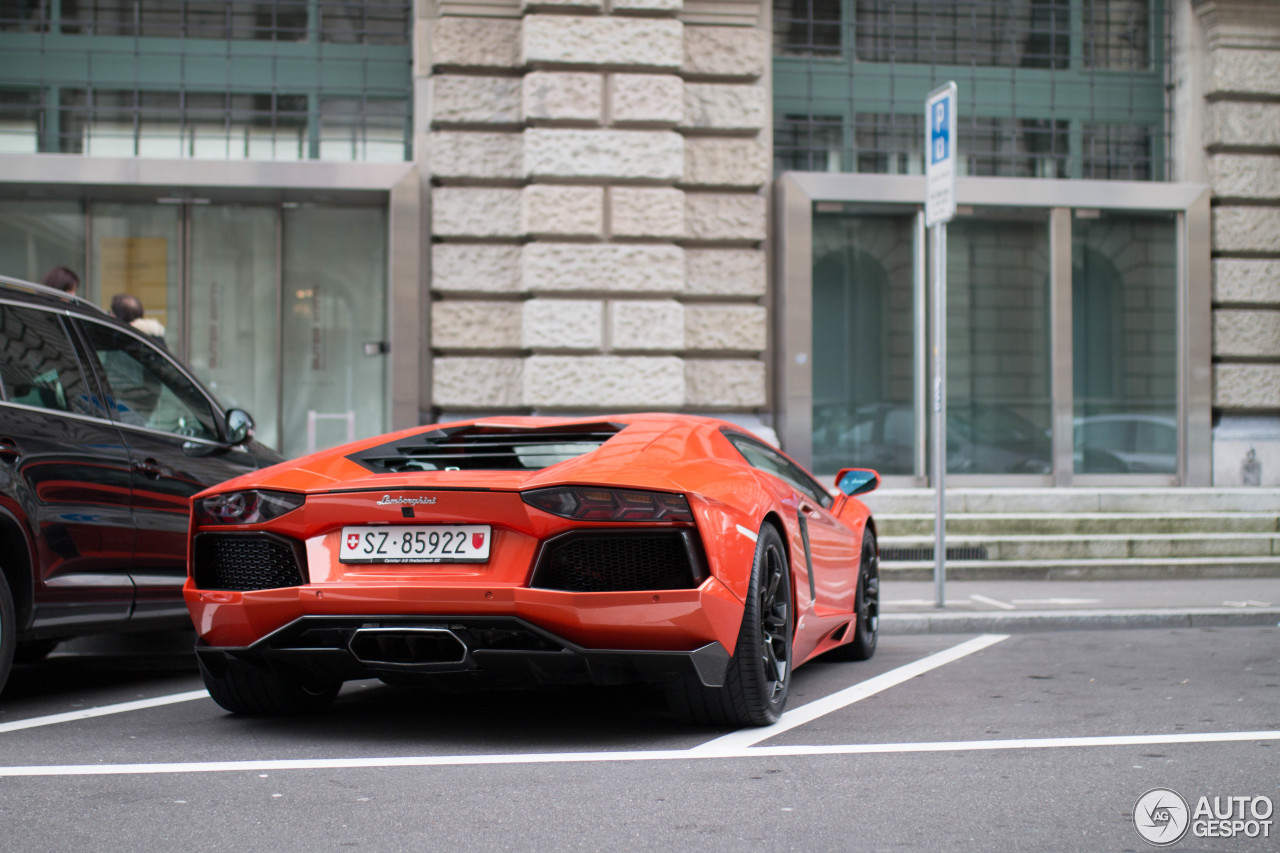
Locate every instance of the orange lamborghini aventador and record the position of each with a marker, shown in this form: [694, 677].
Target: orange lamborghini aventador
[675, 550]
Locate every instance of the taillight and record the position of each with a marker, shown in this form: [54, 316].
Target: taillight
[588, 503]
[247, 507]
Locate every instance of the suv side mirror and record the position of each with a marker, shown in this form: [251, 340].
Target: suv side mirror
[239, 426]
[857, 481]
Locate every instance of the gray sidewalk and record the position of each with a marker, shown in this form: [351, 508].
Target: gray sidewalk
[908, 607]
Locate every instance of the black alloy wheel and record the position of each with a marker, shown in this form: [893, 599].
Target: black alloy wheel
[866, 605]
[758, 678]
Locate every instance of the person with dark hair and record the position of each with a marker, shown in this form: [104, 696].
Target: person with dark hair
[127, 308]
[62, 278]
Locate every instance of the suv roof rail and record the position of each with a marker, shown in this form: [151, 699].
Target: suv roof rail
[42, 290]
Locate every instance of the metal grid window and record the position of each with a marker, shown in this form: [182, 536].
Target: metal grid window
[1048, 88]
[282, 80]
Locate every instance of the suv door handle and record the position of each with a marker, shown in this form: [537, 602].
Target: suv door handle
[9, 451]
[148, 467]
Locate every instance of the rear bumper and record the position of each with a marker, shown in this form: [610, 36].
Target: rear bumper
[457, 651]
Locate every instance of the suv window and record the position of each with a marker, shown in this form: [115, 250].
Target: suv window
[147, 388]
[760, 455]
[38, 365]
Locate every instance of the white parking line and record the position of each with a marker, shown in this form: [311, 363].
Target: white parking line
[821, 707]
[649, 755]
[105, 710]
[982, 599]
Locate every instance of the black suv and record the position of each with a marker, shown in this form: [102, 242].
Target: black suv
[104, 437]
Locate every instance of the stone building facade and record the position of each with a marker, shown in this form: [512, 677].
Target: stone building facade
[598, 205]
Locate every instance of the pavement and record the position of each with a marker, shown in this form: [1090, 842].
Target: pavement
[996, 606]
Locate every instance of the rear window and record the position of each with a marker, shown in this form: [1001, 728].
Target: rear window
[482, 447]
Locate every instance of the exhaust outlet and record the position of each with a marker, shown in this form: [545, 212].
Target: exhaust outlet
[407, 647]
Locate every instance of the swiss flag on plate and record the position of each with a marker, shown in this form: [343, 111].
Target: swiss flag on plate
[353, 539]
[477, 540]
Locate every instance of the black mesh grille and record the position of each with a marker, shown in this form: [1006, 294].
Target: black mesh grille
[617, 563]
[245, 562]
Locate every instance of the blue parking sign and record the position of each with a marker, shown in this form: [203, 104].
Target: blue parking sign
[940, 161]
[940, 131]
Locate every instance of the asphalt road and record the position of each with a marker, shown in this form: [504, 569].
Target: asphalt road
[1031, 741]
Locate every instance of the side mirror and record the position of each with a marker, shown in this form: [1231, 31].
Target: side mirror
[239, 426]
[857, 481]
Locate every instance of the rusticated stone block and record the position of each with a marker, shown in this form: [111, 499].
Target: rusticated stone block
[725, 328]
[459, 99]
[725, 162]
[603, 154]
[604, 382]
[1244, 72]
[616, 41]
[1246, 386]
[564, 324]
[646, 99]
[604, 268]
[1246, 333]
[1243, 124]
[725, 272]
[725, 106]
[1246, 229]
[465, 154]
[475, 212]
[555, 96]
[656, 212]
[476, 43]
[725, 216]
[560, 211]
[1245, 176]
[650, 324]
[560, 5]
[479, 325]
[471, 268]
[725, 383]
[1236, 280]
[627, 6]
[477, 383]
[725, 51]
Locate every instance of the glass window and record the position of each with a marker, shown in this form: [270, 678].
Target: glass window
[136, 249]
[233, 290]
[147, 389]
[335, 320]
[806, 27]
[1030, 34]
[38, 365]
[1124, 312]
[273, 20]
[36, 236]
[863, 356]
[998, 378]
[372, 130]
[370, 22]
[1117, 34]
[20, 121]
[767, 459]
[807, 144]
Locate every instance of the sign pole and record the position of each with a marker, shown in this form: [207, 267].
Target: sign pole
[939, 209]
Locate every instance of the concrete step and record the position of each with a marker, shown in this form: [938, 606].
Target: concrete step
[1122, 546]
[1077, 500]
[1078, 523]
[1176, 568]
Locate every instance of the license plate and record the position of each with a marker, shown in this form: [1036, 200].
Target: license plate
[416, 543]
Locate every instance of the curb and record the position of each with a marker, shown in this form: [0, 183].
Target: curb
[1030, 621]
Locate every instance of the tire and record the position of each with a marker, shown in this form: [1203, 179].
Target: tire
[245, 689]
[758, 678]
[8, 631]
[866, 604]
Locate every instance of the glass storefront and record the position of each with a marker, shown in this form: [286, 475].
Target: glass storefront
[1124, 309]
[863, 374]
[281, 309]
[998, 396]
[1062, 356]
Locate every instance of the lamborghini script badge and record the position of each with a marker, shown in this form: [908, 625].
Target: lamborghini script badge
[401, 500]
